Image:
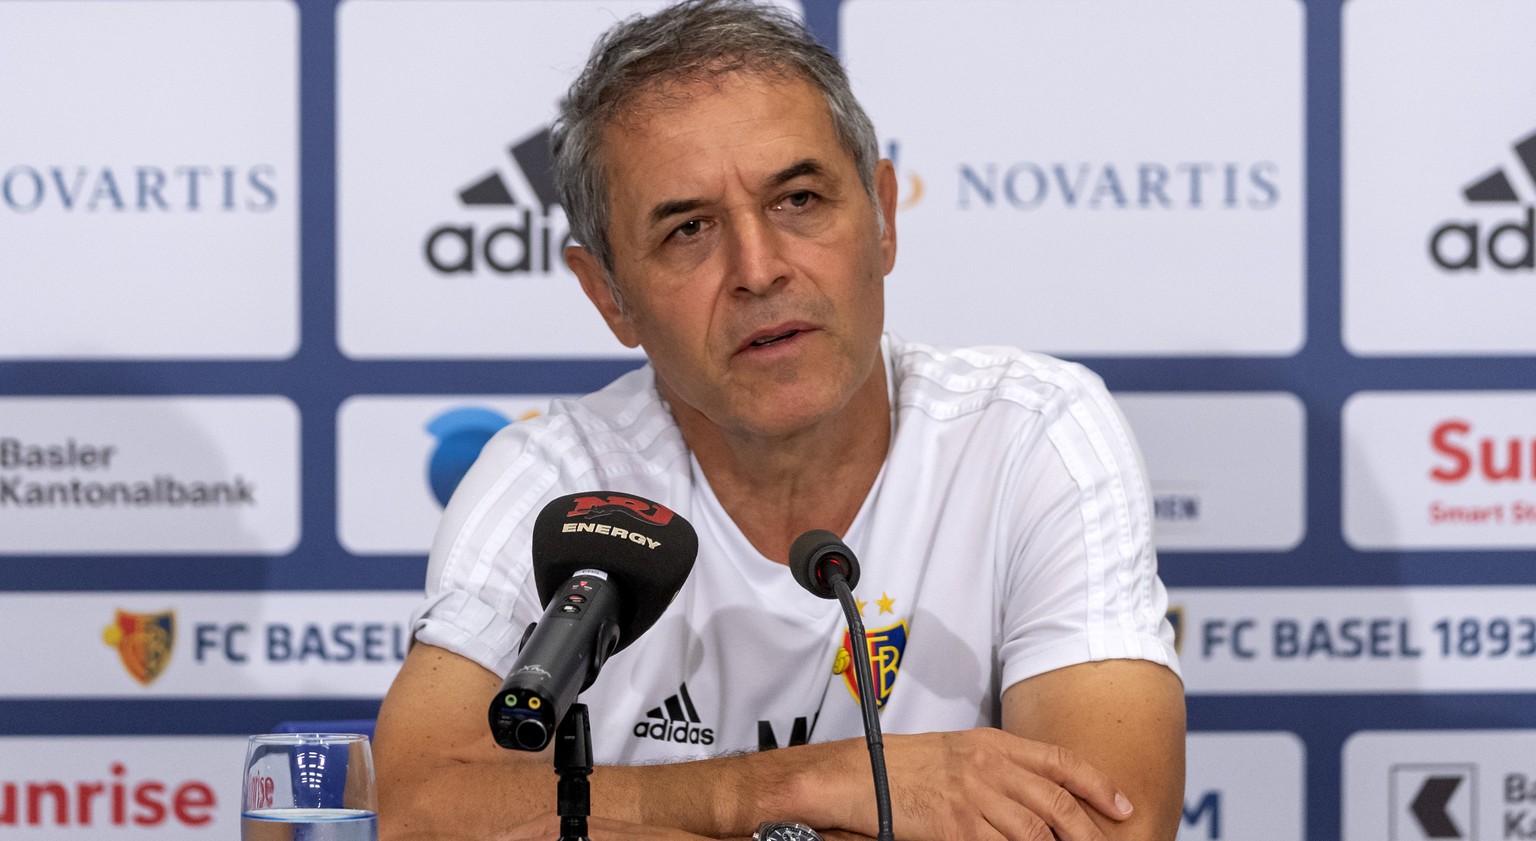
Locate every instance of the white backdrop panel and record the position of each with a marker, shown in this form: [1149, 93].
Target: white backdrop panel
[1411, 786]
[1227, 470]
[1437, 96]
[1244, 786]
[387, 449]
[1075, 183]
[148, 475]
[1440, 469]
[118, 788]
[346, 644]
[432, 97]
[149, 198]
[1343, 640]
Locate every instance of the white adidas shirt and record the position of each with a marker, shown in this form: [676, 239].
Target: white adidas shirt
[1007, 535]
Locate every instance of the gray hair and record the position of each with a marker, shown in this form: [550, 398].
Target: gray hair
[692, 40]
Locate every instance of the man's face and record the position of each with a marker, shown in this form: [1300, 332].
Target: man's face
[746, 251]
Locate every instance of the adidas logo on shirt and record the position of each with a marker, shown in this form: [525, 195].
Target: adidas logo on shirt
[676, 720]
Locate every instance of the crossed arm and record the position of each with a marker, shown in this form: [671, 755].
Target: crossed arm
[1076, 744]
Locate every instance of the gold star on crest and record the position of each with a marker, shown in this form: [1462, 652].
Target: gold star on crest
[886, 603]
[861, 604]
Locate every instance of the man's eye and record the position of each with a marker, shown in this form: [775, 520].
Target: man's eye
[800, 199]
[688, 229]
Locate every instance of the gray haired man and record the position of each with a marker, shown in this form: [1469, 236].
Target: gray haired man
[736, 222]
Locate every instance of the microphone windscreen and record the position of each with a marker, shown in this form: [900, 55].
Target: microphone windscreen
[815, 548]
[645, 548]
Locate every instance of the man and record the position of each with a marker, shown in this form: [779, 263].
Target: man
[736, 224]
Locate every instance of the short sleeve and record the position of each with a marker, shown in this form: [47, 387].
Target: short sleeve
[480, 591]
[1079, 583]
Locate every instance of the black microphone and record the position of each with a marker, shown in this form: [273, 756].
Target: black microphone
[606, 565]
[824, 565]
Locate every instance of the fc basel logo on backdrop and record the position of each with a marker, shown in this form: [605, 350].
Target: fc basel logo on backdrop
[143, 642]
[886, 647]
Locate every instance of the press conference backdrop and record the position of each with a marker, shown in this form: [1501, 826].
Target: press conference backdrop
[272, 271]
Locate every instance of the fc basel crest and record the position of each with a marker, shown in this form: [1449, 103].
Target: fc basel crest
[886, 645]
[143, 642]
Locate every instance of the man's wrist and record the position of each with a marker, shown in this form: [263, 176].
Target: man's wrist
[814, 784]
[733, 796]
[785, 831]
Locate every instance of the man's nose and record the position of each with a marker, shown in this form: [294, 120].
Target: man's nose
[757, 256]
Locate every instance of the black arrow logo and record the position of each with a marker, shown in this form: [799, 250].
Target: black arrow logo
[1429, 807]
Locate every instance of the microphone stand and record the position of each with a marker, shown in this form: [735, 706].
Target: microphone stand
[573, 762]
[864, 675]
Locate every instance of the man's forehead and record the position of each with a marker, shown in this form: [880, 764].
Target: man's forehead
[668, 113]
[679, 91]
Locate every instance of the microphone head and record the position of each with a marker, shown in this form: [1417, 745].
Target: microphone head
[812, 553]
[645, 548]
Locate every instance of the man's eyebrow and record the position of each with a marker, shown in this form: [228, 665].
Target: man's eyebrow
[793, 171]
[676, 207]
[667, 209]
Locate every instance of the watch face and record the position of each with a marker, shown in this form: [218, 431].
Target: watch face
[787, 832]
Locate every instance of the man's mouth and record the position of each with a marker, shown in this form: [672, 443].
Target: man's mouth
[768, 340]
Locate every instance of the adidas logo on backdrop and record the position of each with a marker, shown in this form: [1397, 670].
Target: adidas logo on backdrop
[676, 720]
[521, 238]
[1511, 245]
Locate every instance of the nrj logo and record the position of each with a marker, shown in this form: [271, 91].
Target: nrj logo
[1509, 243]
[592, 507]
[509, 236]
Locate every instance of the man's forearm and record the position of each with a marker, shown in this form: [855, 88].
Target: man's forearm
[729, 796]
[439, 772]
[440, 776]
[724, 797]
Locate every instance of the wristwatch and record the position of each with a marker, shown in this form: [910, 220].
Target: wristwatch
[777, 831]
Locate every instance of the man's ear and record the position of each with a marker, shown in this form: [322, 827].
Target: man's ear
[885, 190]
[594, 282]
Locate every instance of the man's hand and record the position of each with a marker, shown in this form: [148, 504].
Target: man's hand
[1083, 743]
[981, 785]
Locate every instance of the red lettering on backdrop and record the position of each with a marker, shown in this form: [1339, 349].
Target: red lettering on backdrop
[87, 792]
[1511, 468]
[60, 796]
[1440, 440]
[56, 803]
[154, 806]
[657, 514]
[194, 804]
[1496, 460]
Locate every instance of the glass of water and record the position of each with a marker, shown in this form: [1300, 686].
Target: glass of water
[309, 787]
